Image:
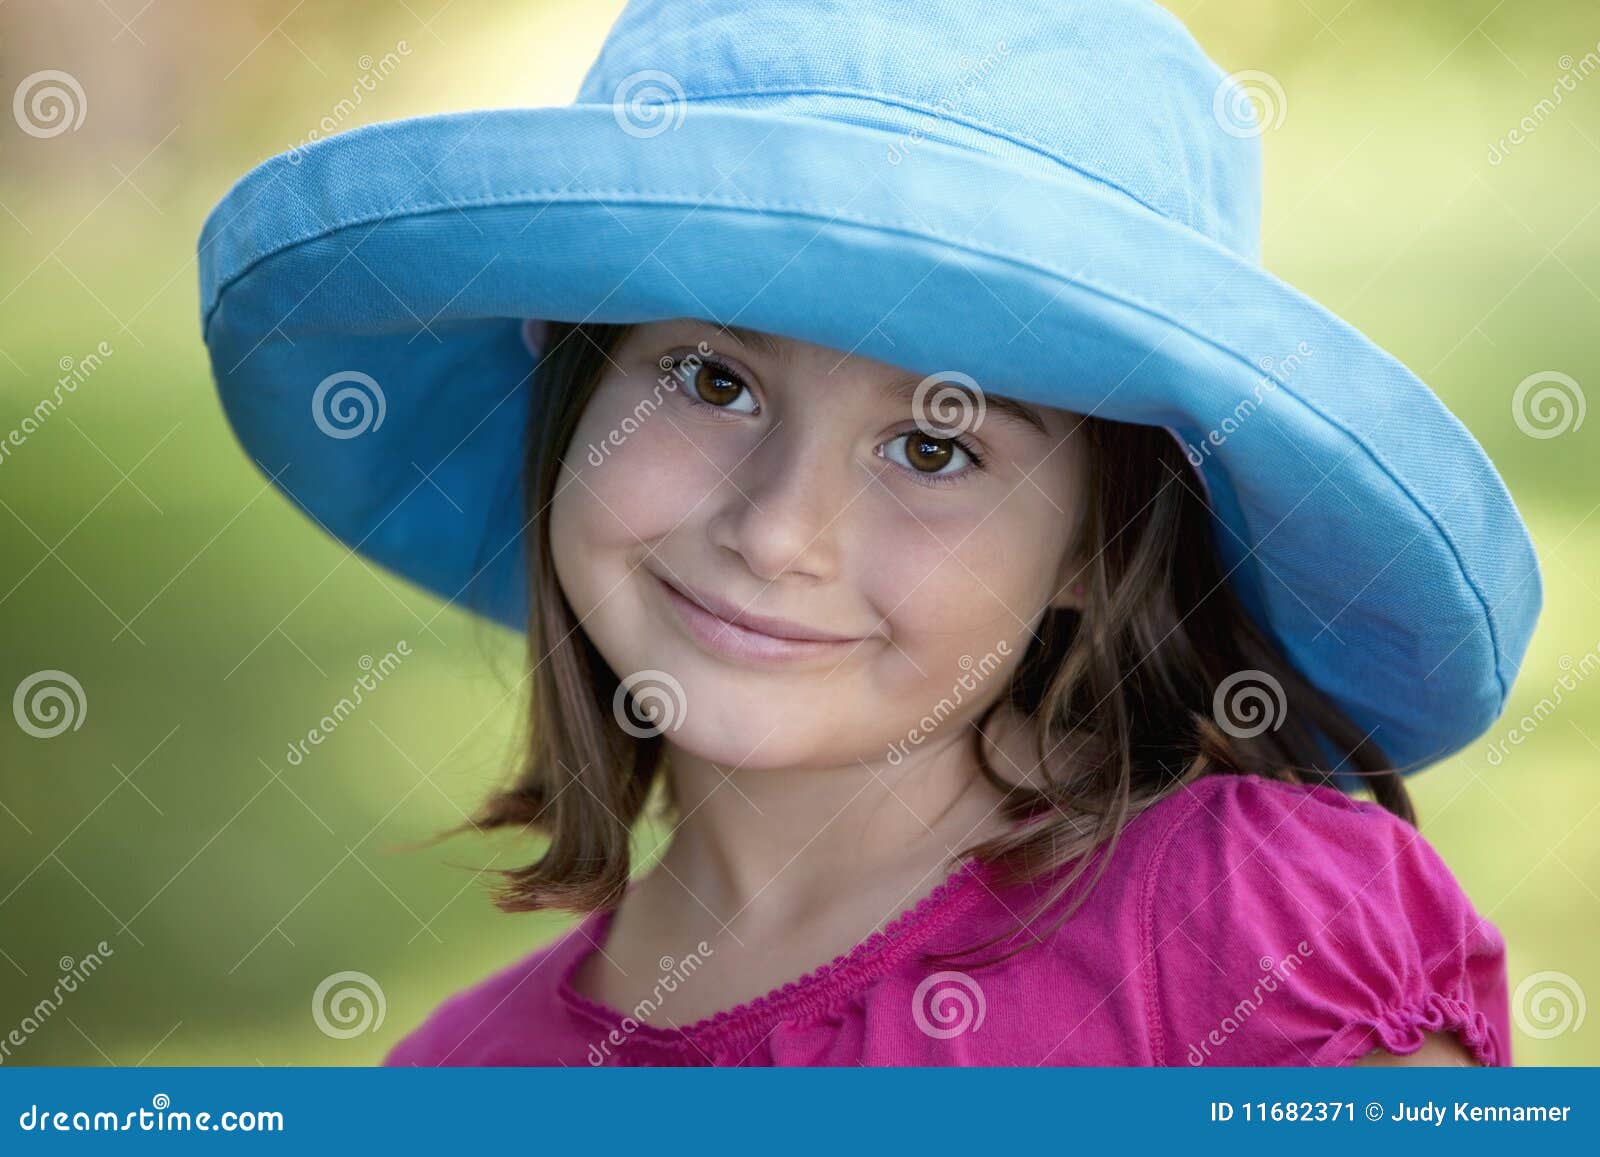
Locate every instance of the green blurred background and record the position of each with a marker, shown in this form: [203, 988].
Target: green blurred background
[209, 624]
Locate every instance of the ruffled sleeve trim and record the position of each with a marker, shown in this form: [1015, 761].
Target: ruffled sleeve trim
[1403, 1031]
[1386, 945]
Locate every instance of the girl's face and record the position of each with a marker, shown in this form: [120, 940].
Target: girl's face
[798, 487]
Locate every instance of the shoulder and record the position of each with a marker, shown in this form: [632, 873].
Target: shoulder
[1239, 818]
[1293, 924]
[1094, 946]
[511, 1017]
[1254, 843]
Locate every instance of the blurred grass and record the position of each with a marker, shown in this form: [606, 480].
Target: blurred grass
[229, 883]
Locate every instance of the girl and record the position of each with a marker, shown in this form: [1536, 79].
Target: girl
[928, 505]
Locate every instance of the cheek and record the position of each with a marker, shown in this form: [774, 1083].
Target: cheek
[630, 474]
[966, 576]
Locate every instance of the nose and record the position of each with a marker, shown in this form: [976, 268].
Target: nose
[783, 507]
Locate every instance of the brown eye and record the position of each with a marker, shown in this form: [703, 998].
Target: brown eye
[929, 455]
[930, 460]
[717, 385]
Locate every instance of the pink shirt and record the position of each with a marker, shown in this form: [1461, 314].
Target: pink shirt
[1240, 922]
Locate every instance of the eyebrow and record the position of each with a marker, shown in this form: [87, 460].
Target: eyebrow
[904, 389]
[1000, 408]
[754, 339]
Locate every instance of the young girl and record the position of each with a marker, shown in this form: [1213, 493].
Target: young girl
[916, 493]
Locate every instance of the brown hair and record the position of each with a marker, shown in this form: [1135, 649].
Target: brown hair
[1120, 695]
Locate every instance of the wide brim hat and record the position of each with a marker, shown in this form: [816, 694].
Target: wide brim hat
[1061, 201]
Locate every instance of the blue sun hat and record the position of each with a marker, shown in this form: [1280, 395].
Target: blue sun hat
[1061, 201]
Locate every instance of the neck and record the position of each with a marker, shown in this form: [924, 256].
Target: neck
[774, 845]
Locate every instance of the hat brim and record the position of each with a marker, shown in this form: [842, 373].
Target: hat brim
[1360, 522]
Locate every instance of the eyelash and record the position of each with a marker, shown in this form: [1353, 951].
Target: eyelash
[921, 478]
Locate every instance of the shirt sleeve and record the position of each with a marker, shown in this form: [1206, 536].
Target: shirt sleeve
[1294, 925]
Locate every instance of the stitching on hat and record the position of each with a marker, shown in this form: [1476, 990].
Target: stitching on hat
[805, 209]
[1032, 144]
[565, 194]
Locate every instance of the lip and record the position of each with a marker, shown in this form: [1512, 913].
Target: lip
[740, 635]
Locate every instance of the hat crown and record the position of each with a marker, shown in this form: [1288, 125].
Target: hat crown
[1117, 91]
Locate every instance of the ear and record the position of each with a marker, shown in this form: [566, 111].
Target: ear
[534, 332]
[1071, 582]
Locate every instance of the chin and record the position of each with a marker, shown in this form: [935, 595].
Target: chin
[745, 738]
[746, 748]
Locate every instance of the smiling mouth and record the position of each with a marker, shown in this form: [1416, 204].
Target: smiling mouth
[740, 640]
